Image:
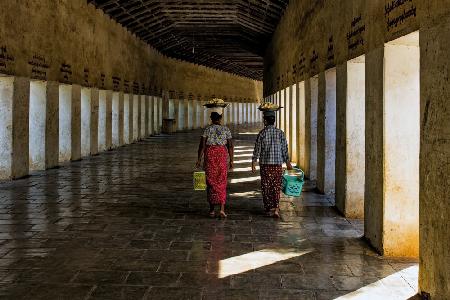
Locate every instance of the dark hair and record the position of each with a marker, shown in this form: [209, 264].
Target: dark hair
[270, 120]
[215, 116]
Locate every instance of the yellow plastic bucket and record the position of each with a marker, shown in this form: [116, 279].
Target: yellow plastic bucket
[200, 181]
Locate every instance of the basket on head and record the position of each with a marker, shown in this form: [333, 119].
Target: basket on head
[216, 102]
[268, 106]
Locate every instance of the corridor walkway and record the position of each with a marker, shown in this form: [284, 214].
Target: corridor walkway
[127, 225]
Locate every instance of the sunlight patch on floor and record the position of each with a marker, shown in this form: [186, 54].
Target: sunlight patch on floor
[245, 194]
[391, 287]
[254, 260]
[244, 155]
[243, 161]
[246, 179]
[248, 169]
[244, 151]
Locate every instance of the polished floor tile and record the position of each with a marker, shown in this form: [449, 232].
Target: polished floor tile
[126, 224]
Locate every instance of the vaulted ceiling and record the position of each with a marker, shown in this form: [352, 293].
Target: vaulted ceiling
[229, 35]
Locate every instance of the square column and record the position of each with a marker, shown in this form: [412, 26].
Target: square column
[102, 121]
[117, 119]
[311, 113]
[151, 117]
[94, 121]
[127, 120]
[160, 113]
[136, 117]
[86, 119]
[14, 134]
[76, 123]
[326, 132]
[301, 124]
[157, 114]
[194, 114]
[44, 125]
[434, 275]
[65, 122]
[143, 132]
[293, 115]
[108, 128]
[350, 138]
[392, 183]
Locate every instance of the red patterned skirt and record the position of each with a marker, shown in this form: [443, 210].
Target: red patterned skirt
[216, 168]
[271, 179]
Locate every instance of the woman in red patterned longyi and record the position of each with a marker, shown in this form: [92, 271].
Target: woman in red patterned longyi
[216, 146]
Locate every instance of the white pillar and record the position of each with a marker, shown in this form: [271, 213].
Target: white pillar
[65, 122]
[144, 117]
[151, 117]
[301, 124]
[392, 147]
[14, 137]
[102, 120]
[85, 121]
[136, 117]
[117, 119]
[94, 121]
[76, 122]
[127, 121]
[44, 125]
[350, 138]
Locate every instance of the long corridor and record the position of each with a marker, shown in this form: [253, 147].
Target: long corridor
[126, 224]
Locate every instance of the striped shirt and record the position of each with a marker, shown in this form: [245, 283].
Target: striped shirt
[271, 147]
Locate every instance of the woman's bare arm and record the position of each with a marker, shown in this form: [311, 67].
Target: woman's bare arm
[230, 147]
[201, 149]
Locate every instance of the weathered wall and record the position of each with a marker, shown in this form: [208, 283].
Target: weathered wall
[72, 42]
[315, 35]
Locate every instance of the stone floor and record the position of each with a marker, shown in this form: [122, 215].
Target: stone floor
[127, 225]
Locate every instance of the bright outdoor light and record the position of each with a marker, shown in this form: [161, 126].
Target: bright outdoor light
[391, 287]
[247, 179]
[255, 260]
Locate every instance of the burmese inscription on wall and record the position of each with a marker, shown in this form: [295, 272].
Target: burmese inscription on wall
[355, 37]
[65, 71]
[39, 67]
[6, 61]
[398, 12]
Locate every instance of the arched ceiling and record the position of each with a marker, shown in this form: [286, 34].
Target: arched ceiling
[226, 35]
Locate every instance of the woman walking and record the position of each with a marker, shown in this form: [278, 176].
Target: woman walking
[216, 146]
[271, 149]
